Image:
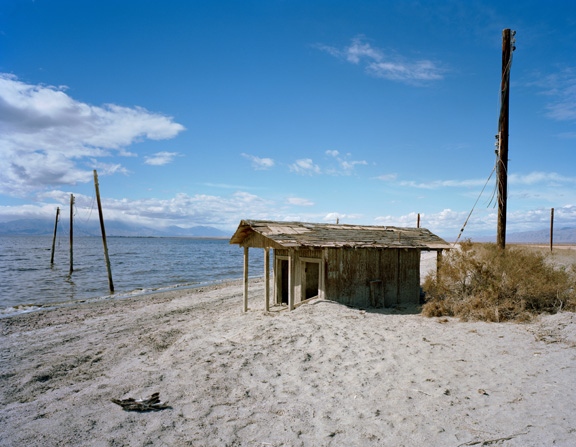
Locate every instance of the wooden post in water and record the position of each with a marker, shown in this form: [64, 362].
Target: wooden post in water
[551, 229]
[54, 237]
[71, 234]
[102, 229]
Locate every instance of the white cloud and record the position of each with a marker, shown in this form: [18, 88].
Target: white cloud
[435, 184]
[341, 218]
[345, 166]
[381, 65]
[259, 163]
[445, 222]
[198, 209]
[108, 168]
[388, 177]
[533, 178]
[46, 135]
[561, 88]
[305, 166]
[160, 158]
[298, 201]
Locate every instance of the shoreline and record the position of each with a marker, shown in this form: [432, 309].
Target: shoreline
[323, 375]
[20, 309]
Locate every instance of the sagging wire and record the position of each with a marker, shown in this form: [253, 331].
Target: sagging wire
[495, 189]
[475, 203]
[506, 76]
[82, 222]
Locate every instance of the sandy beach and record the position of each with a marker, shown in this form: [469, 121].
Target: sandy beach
[322, 375]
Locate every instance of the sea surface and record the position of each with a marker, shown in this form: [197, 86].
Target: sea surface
[139, 265]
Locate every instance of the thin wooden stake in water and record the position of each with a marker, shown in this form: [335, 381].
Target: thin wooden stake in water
[54, 238]
[71, 234]
[110, 283]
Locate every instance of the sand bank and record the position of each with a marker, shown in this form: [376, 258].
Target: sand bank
[322, 375]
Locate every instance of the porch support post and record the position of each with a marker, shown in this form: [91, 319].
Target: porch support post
[291, 280]
[267, 277]
[438, 263]
[245, 306]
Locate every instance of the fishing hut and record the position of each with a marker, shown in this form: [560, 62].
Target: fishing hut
[356, 265]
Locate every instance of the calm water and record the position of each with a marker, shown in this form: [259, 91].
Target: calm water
[139, 265]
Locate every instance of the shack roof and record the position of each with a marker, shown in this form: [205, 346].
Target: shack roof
[264, 233]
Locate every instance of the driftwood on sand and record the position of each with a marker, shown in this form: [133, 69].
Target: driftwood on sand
[151, 404]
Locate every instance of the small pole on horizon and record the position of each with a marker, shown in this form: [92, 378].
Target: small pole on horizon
[71, 234]
[103, 231]
[418, 222]
[551, 229]
[54, 237]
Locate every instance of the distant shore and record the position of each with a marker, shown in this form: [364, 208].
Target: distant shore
[322, 375]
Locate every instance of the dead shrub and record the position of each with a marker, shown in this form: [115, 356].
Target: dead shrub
[482, 282]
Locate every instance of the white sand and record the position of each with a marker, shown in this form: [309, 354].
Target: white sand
[322, 375]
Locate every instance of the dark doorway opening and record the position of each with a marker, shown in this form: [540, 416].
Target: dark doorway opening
[312, 271]
[284, 281]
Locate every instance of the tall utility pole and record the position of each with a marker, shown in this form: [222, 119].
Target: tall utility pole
[502, 165]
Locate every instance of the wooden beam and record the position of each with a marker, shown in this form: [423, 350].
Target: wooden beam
[267, 277]
[438, 263]
[245, 305]
[291, 280]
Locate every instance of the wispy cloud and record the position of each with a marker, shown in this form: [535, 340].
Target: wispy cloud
[378, 63]
[299, 201]
[341, 217]
[46, 135]
[108, 168]
[388, 177]
[533, 178]
[160, 158]
[305, 166]
[258, 163]
[435, 184]
[345, 165]
[560, 87]
[198, 209]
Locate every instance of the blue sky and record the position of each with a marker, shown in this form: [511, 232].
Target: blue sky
[208, 112]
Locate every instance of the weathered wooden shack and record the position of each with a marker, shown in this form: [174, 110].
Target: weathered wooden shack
[356, 265]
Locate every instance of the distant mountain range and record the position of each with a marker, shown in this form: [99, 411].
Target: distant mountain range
[561, 236]
[41, 227]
